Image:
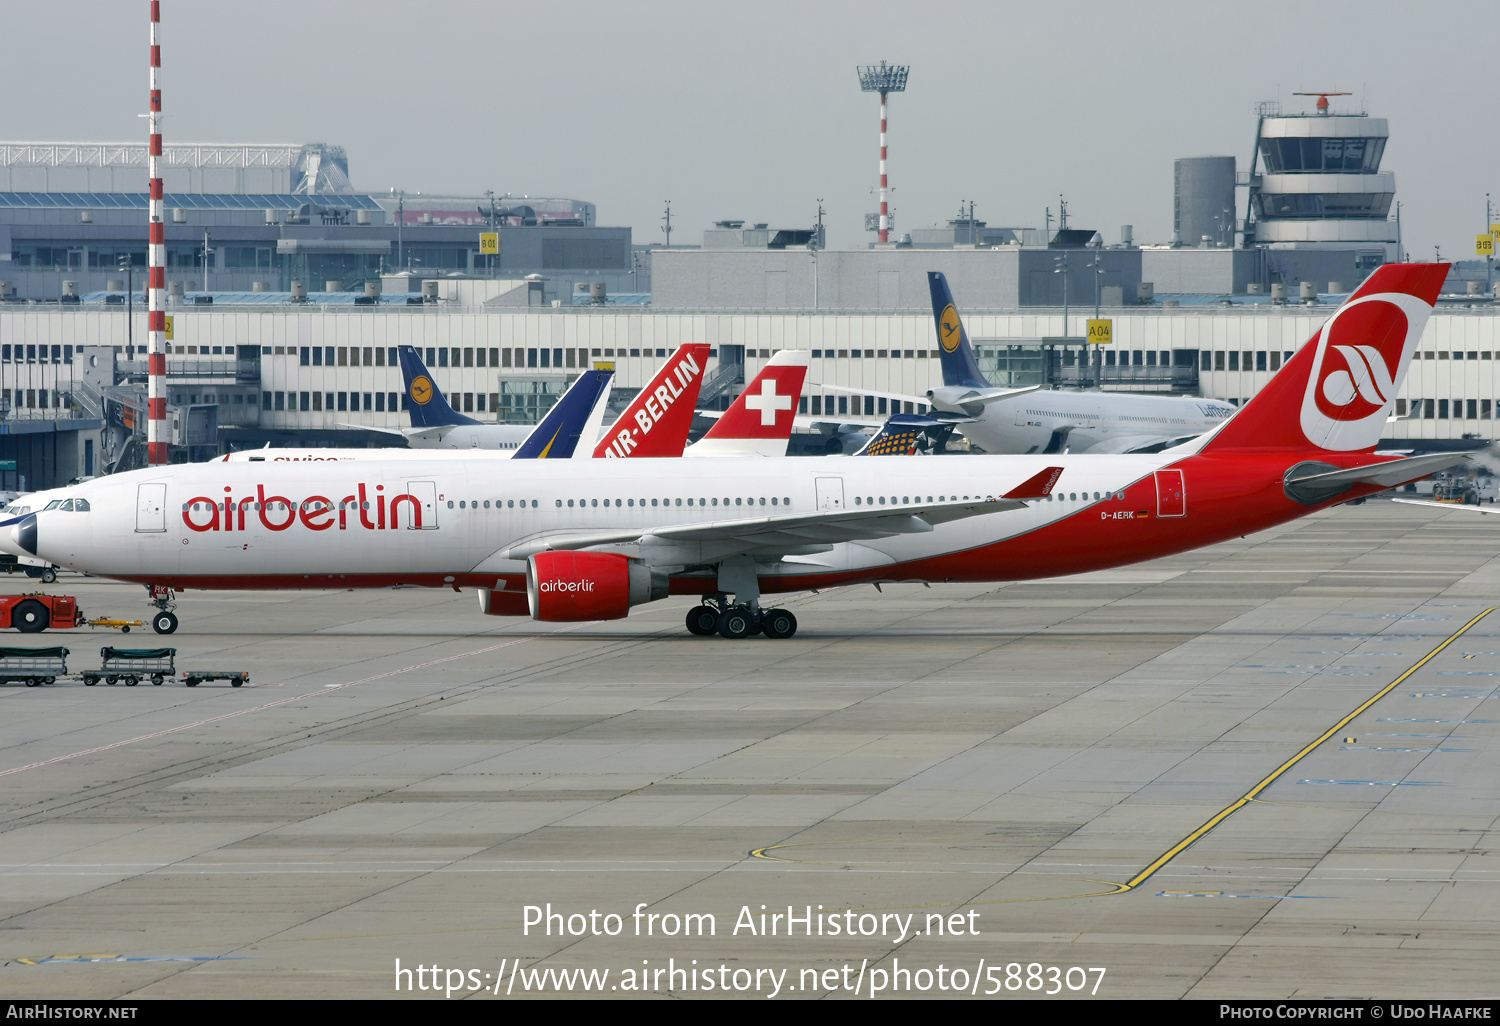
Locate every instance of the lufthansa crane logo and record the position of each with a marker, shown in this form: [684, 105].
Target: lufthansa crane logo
[950, 332]
[421, 389]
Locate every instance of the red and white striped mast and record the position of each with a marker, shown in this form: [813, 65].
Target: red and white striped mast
[156, 280]
[883, 79]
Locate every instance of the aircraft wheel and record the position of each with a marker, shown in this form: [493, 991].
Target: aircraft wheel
[736, 622]
[703, 621]
[164, 622]
[49, 576]
[30, 617]
[778, 623]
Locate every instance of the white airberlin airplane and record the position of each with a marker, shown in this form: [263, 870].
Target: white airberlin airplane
[561, 540]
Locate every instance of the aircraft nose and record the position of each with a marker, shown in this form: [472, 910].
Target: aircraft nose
[24, 534]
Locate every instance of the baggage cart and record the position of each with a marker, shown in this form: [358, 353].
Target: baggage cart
[32, 666]
[236, 678]
[133, 665]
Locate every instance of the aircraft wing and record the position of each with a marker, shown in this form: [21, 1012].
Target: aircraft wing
[1137, 443]
[789, 532]
[815, 422]
[899, 397]
[378, 430]
[973, 395]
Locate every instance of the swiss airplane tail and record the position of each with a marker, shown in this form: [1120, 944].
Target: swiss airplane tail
[759, 423]
[557, 435]
[1337, 392]
[425, 402]
[657, 422]
[954, 352]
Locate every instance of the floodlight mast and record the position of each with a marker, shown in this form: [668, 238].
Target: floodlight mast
[883, 79]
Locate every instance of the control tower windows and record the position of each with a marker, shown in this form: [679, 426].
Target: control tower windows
[1285, 156]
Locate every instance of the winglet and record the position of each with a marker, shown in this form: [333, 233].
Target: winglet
[1038, 486]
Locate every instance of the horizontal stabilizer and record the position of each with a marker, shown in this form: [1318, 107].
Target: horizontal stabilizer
[1312, 483]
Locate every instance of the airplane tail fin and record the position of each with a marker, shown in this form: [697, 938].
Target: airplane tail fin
[657, 422]
[908, 434]
[759, 423]
[427, 406]
[1336, 393]
[954, 352]
[557, 435]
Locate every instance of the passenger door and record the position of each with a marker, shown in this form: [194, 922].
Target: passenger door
[151, 508]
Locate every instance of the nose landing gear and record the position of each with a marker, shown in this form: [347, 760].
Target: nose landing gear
[163, 621]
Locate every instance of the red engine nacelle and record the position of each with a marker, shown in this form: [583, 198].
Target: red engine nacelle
[562, 587]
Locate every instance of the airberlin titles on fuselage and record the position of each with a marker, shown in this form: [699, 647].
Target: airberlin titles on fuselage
[277, 512]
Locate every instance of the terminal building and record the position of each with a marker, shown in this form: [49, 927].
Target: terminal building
[289, 291]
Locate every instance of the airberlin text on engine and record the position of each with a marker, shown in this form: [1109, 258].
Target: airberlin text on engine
[316, 512]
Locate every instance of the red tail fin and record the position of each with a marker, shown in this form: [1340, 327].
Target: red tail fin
[657, 422]
[1336, 393]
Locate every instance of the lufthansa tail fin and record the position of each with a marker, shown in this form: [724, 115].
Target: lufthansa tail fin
[954, 352]
[657, 422]
[1337, 392]
[759, 423]
[426, 404]
[557, 435]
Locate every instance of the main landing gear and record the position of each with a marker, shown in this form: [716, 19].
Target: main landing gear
[163, 621]
[717, 615]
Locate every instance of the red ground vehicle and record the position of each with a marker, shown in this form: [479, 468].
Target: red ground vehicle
[36, 612]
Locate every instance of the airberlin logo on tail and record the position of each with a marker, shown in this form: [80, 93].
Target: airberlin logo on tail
[316, 512]
[1367, 379]
[651, 407]
[1361, 359]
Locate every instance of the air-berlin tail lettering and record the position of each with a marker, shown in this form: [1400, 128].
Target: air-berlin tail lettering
[277, 512]
[654, 407]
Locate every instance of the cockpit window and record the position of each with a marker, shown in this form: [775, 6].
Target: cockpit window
[80, 505]
[53, 504]
[66, 507]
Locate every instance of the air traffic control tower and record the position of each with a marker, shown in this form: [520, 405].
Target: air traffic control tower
[1319, 184]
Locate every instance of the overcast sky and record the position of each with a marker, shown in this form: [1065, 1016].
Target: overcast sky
[753, 110]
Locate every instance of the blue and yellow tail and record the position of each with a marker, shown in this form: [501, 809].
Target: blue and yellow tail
[957, 356]
[425, 401]
[557, 435]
